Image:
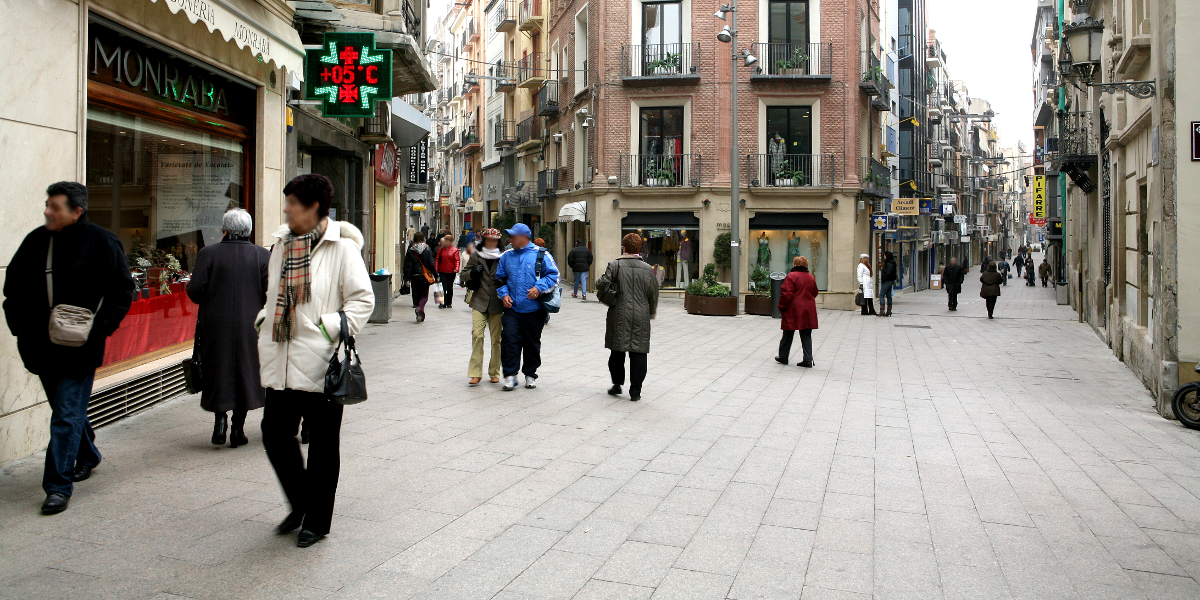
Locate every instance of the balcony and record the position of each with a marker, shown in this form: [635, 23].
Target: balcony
[1077, 150]
[659, 64]
[450, 140]
[470, 84]
[548, 99]
[443, 96]
[529, 15]
[792, 170]
[506, 133]
[531, 70]
[504, 77]
[876, 178]
[529, 133]
[657, 170]
[875, 83]
[504, 17]
[547, 184]
[791, 62]
[470, 141]
[935, 57]
[469, 36]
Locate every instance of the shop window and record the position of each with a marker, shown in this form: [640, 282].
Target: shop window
[670, 245]
[777, 238]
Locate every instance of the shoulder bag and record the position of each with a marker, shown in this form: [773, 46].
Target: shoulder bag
[552, 299]
[193, 374]
[859, 299]
[344, 381]
[69, 325]
[613, 290]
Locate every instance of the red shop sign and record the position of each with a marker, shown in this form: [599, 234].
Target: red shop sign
[1037, 221]
[387, 164]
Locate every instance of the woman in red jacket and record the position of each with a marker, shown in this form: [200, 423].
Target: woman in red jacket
[448, 263]
[798, 303]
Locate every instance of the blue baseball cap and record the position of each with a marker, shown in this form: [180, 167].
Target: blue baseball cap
[520, 229]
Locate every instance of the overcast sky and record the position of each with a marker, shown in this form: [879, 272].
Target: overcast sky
[987, 47]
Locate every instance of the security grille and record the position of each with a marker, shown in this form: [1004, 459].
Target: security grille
[133, 396]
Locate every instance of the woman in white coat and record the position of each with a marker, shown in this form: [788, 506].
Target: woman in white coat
[316, 272]
[867, 281]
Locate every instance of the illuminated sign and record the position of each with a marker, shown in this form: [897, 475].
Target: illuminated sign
[348, 75]
[1039, 196]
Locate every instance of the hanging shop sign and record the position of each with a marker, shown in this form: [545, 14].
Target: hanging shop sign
[1036, 222]
[1039, 196]
[884, 222]
[960, 218]
[387, 164]
[925, 206]
[418, 162]
[348, 75]
[905, 206]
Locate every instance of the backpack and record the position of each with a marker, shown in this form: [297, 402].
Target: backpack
[551, 300]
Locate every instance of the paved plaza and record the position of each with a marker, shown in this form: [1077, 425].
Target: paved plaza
[927, 455]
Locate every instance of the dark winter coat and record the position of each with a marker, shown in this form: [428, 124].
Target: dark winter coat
[952, 278]
[627, 328]
[798, 300]
[1044, 270]
[991, 281]
[483, 299]
[413, 261]
[889, 271]
[89, 265]
[579, 259]
[229, 283]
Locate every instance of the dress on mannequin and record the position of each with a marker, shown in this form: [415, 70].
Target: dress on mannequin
[764, 251]
[669, 249]
[793, 249]
[685, 255]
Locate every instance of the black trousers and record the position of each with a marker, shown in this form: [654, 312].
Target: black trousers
[953, 299]
[637, 370]
[309, 490]
[991, 304]
[868, 307]
[447, 288]
[785, 344]
[521, 338]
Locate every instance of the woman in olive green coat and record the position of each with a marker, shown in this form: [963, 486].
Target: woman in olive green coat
[627, 329]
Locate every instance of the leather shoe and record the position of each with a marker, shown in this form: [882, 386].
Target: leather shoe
[81, 473]
[308, 538]
[634, 396]
[55, 503]
[290, 523]
[615, 390]
[805, 364]
[782, 361]
[237, 437]
[220, 428]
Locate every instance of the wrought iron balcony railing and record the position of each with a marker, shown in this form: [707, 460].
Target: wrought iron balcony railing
[450, 139]
[470, 139]
[529, 15]
[876, 177]
[529, 132]
[793, 170]
[660, 170]
[661, 61]
[504, 16]
[808, 61]
[548, 98]
[506, 133]
[531, 70]
[874, 82]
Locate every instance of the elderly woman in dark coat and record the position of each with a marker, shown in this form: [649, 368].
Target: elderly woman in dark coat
[229, 283]
[798, 304]
[991, 280]
[627, 329]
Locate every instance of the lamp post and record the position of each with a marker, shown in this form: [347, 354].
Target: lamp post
[728, 35]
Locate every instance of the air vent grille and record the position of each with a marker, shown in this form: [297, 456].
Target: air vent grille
[133, 396]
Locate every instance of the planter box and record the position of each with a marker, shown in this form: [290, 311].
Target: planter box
[712, 306]
[758, 305]
[687, 301]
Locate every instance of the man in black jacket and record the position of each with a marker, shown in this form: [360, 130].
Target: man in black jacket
[952, 280]
[87, 270]
[580, 260]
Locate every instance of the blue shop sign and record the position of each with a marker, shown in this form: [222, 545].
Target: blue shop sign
[925, 206]
[884, 222]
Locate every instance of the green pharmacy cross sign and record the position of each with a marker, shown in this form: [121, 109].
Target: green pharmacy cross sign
[348, 75]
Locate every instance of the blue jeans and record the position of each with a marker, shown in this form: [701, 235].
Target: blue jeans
[885, 293]
[580, 282]
[521, 337]
[72, 441]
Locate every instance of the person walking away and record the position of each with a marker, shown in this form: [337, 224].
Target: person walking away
[627, 326]
[486, 307]
[521, 283]
[419, 273]
[448, 263]
[952, 280]
[889, 276]
[991, 287]
[68, 262]
[1020, 262]
[798, 305]
[580, 261]
[319, 282]
[867, 284]
[1044, 271]
[229, 283]
[1002, 267]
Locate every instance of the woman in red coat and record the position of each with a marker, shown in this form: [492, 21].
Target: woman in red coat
[798, 303]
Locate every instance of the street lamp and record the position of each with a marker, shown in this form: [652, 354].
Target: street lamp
[1082, 43]
[728, 35]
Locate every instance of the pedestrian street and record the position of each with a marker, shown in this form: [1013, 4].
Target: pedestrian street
[926, 455]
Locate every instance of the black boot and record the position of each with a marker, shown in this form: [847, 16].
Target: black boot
[220, 427]
[237, 434]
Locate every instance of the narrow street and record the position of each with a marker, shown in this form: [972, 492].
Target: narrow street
[929, 455]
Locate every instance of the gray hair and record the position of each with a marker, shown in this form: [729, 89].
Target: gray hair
[237, 222]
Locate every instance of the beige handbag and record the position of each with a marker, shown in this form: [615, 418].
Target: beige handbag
[69, 325]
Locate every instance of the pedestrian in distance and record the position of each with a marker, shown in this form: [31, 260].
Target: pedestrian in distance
[448, 263]
[889, 276]
[991, 287]
[580, 261]
[1044, 271]
[866, 284]
[952, 281]
[798, 305]
[1002, 267]
[627, 327]
[523, 274]
[319, 282]
[419, 272]
[76, 266]
[941, 268]
[229, 283]
[1019, 262]
[983, 264]
[487, 309]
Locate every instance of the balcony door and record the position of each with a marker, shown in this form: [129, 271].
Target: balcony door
[789, 143]
[662, 38]
[787, 35]
[661, 145]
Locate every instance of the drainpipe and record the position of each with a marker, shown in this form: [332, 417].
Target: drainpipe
[1062, 183]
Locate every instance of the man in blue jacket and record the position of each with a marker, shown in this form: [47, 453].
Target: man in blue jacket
[520, 285]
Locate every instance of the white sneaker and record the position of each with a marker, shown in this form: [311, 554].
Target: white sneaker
[510, 383]
[530, 382]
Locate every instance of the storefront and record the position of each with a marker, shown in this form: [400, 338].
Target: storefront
[670, 244]
[777, 238]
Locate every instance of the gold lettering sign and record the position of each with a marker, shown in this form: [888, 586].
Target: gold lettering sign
[906, 206]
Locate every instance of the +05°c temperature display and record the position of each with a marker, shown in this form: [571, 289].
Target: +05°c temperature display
[348, 75]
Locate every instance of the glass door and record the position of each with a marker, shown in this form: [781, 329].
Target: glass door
[661, 147]
[662, 38]
[789, 146]
[787, 37]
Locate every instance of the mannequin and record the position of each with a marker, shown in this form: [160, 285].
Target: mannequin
[669, 248]
[685, 257]
[764, 251]
[793, 248]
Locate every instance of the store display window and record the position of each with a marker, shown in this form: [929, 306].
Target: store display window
[777, 238]
[672, 253]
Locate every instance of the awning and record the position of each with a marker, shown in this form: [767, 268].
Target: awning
[574, 211]
[249, 25]
[409, 125]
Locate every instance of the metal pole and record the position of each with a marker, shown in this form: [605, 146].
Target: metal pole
[735, 228]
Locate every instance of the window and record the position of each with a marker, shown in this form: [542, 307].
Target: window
[789, 130]
[661, 131]
[662, 36]
[581, 50]
[787, 22]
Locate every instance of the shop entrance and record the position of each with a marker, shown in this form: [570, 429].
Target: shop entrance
[670, 244]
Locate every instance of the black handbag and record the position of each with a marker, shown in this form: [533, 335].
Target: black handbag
[612, 291]
[344, 381]
[475, 277]
[859, 298]
[193, 374]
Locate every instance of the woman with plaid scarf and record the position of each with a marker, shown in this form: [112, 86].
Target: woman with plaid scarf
[316, 272]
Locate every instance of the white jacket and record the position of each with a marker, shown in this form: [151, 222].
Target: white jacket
[866, 281]
[339, 282]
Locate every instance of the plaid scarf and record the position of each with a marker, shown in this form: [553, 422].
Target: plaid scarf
[295, 280]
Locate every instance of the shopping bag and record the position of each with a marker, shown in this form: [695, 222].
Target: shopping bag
[437, 293]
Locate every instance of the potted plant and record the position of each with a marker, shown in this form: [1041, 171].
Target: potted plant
[712, 298]
[666, 177]
[794, 65]
[758, 301]
[650, 175]
[783, 176]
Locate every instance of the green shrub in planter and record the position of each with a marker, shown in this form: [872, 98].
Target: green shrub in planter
[716, 291]
[721, 252]
[695, 288]
[760, 281]
[709, 276]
